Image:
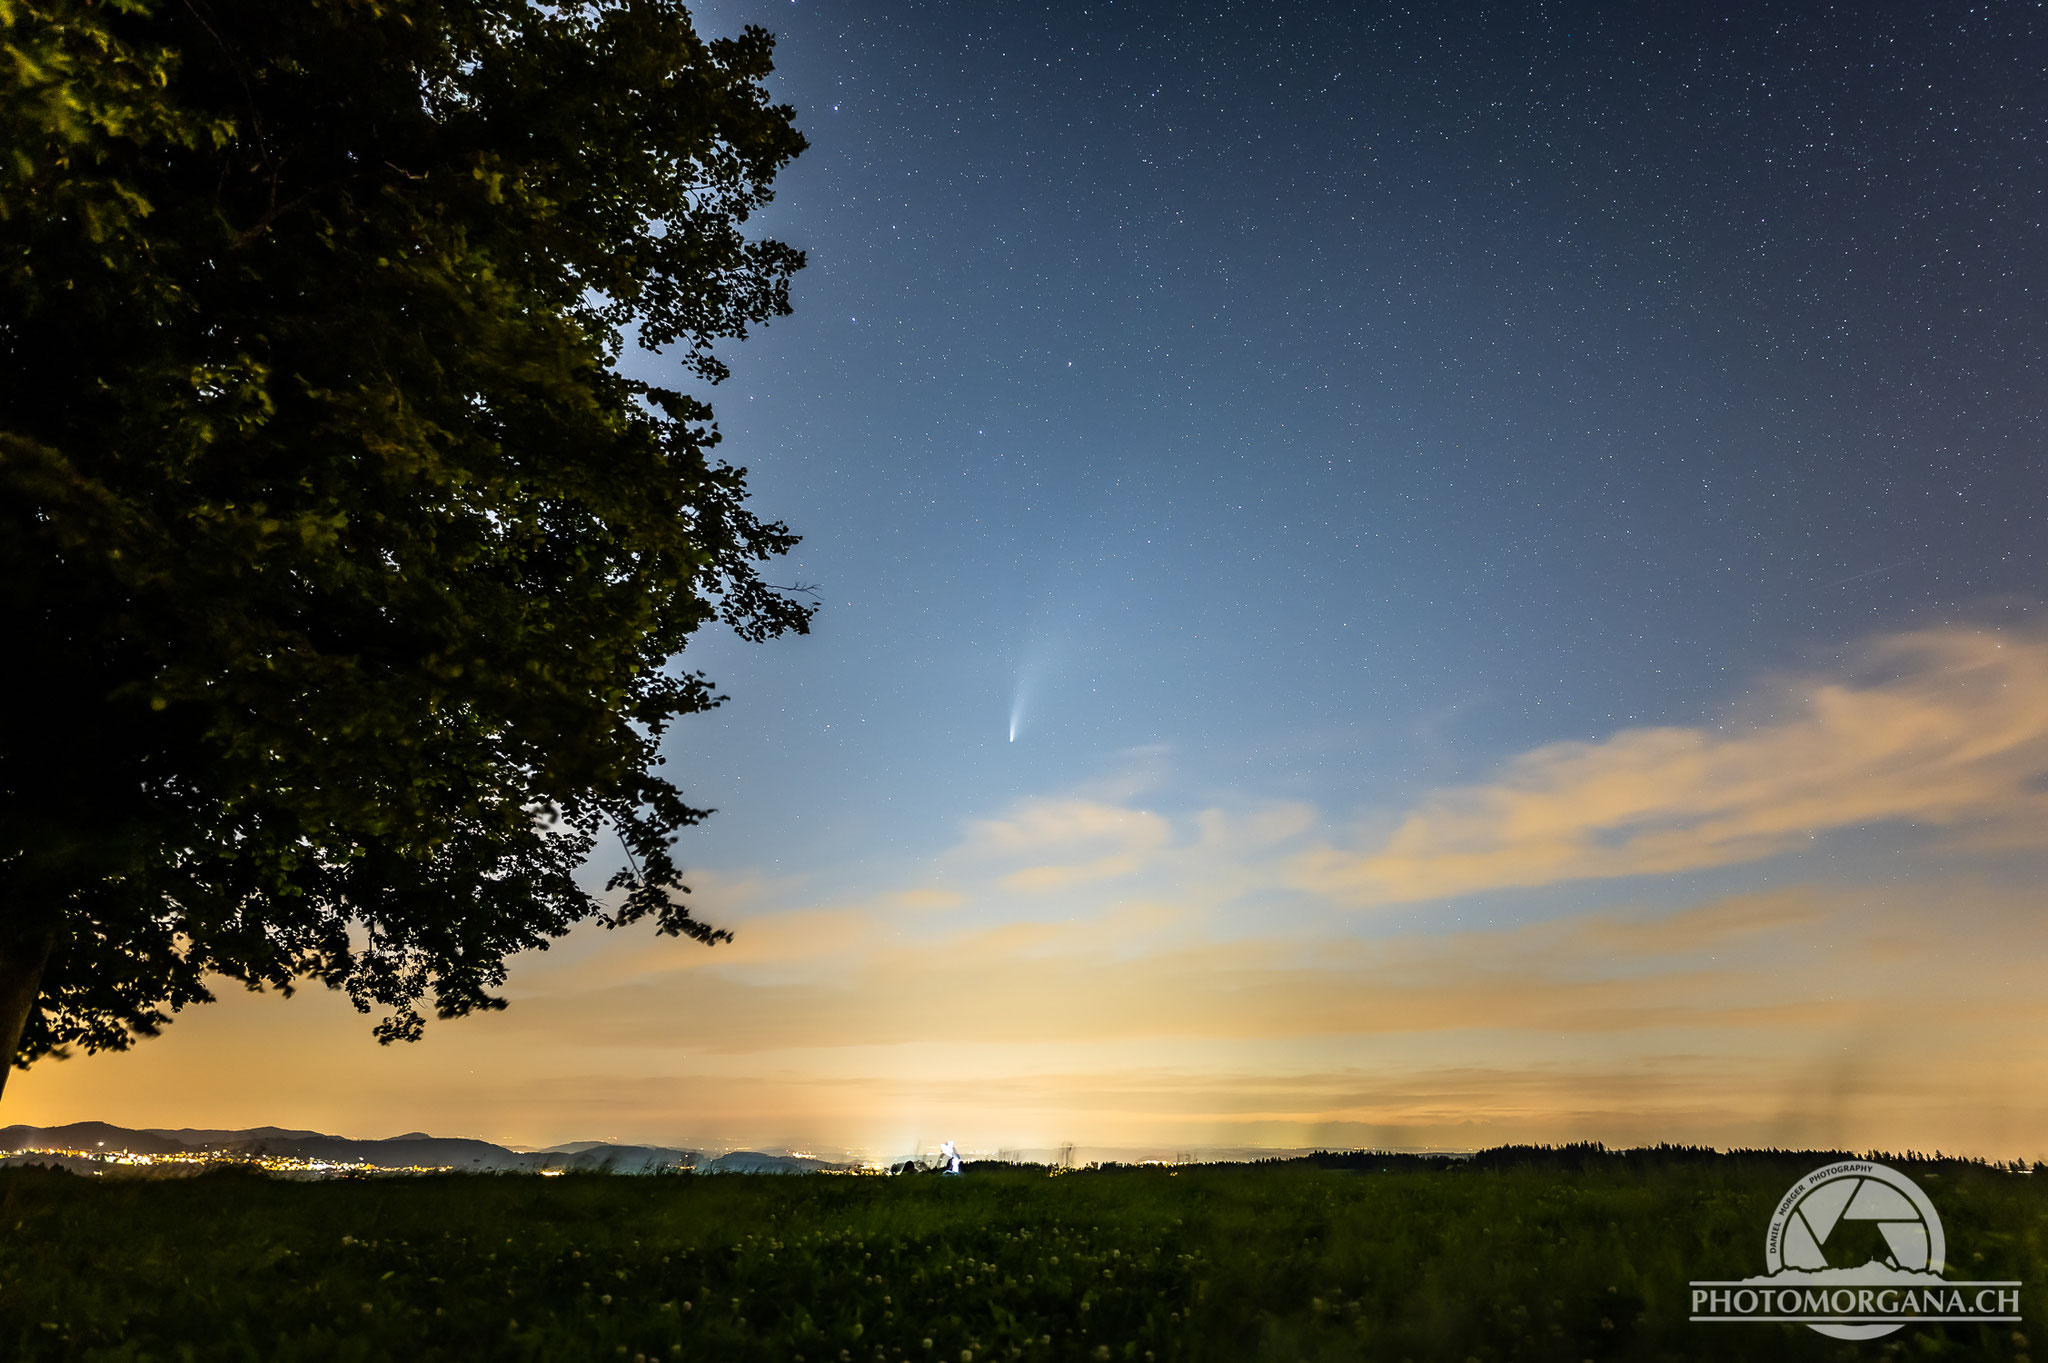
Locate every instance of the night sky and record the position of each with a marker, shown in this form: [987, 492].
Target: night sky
[1409, 578]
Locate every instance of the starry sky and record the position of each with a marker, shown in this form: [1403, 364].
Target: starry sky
[1416, 577]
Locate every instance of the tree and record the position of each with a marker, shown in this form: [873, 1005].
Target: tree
[342, 572]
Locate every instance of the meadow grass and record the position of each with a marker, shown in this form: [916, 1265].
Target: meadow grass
[1215, 1263]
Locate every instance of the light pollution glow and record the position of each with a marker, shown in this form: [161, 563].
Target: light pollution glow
[1820, 925]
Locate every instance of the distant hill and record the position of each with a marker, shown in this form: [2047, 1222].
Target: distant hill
[216, 1140]
[89, 1136]
[624, 1159]
[415, 1149]
[754, 1162]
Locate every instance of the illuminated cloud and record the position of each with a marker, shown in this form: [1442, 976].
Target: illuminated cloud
[1816, 1014]
[1256, 829]
[1946, 728]
[1068, 842]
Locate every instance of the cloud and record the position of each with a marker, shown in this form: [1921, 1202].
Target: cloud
[1791, 962]
[1067, 842]
[1815, 1013]
[930, 899]
[1238, 832]
[1824, 1012]
[1946, 728]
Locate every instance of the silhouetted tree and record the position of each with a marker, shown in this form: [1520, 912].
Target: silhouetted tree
[341, 573]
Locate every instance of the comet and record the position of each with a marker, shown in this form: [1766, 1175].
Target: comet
[1038, 663]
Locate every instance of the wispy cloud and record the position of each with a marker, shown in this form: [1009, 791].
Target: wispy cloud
[1067, 842]
[1943, 728]
[1813, 1013]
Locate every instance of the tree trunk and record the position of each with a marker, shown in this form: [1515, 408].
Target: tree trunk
[22, 959]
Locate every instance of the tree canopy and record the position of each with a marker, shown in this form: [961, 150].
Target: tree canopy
[343, 572]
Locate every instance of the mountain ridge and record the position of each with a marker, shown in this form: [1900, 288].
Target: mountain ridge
[413, 1150]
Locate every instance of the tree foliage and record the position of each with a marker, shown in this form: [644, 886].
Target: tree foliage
[343, 573]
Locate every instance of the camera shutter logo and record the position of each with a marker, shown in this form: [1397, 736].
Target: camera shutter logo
[1855, 1250]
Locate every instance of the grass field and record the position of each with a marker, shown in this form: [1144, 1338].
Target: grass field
[1500, 1261]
